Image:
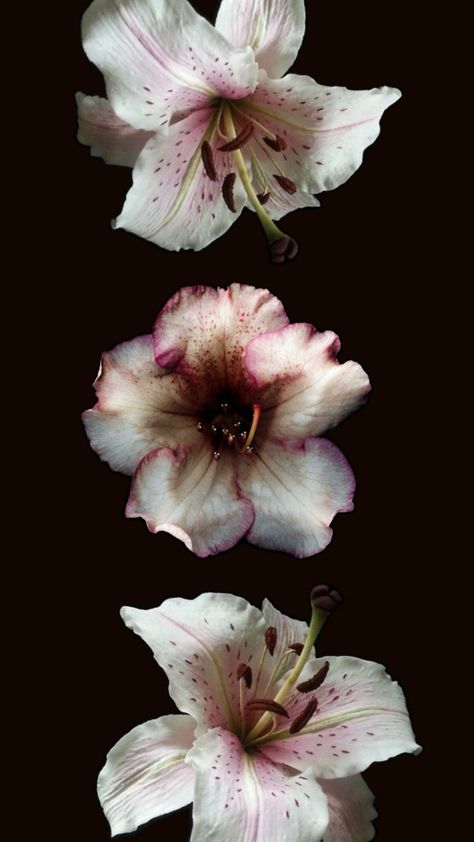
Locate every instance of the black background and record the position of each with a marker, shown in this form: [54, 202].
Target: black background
[362, 272]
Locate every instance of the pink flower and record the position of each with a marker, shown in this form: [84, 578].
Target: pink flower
[217, 415]
[209, 125]
[271, 740]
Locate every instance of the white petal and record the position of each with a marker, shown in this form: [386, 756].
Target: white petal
[187, 493]
[242, 797]
[307, 390]
[361, 718]
[146, 775]
[159, 57]
[140, 407]
[326, 129]
[296, 490]
[351, 810]
[173, 203]
[273, 28]
[203, 332]
[200, 644]
[106, 134]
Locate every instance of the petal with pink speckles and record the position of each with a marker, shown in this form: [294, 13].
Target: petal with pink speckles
[200, 644]
[146, 775]
[361, 718]
[106, 134]
[273, 28]
[203, 332]
[242, 797]
[306, 390]
[159, 57]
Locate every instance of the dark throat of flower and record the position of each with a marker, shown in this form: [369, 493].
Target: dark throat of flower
[231, 427]
[324, 601]
[251, 134]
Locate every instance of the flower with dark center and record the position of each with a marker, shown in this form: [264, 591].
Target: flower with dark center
[259, 759]
[210, 123]
[218, 417]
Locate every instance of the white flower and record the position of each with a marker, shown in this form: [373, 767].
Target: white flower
[271, 741]
[204, 116]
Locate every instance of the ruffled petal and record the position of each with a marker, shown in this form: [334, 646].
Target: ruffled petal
[200, 644]
[106, 134]
[273, 28]
[351, 810]
[325, 131]
[241, 797]
[146, 775]
[203, 332]
[173, 202]
[306, 390]
[361, 718]
[140, 407]
[191, 496]
[160, 57]
[296, 490]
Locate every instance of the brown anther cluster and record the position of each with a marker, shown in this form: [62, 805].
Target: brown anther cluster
[228, 428]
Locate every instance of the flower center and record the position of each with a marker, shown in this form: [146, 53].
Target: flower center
[238, 128]
[259, 697]
[231, 426]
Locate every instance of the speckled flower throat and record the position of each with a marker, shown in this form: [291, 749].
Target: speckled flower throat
[232, 426]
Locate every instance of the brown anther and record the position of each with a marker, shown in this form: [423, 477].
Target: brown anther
[216, 455]
[325, 598]
[271, 638]
[245, 672]
[277, 143]
[267, 705]
[263, 198]
[314, 682]
[283, 250]
[208, 160]
[240, 140]
[228, 191]
[286, 183]
[303, 718]
[296, 647]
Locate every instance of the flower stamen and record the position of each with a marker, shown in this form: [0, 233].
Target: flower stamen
[208, 160]
[239, 140]
[303, 718]
[314, 682]
[268, 705]
[228, 191]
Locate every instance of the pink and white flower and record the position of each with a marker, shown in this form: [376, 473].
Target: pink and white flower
[210, 122]
[218, 416]
[271, 741]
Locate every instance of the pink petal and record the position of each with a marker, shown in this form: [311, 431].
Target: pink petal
[106, 134]
[203, 332]
[200, 644]
[273, 28]
[140, 407]
[351, 810]
[296, 489]
[160, 57]
[173, 202]
[361, 718]
[326, 130]
[242, 797]
[145, 774]
[193, 497]
[307, 390]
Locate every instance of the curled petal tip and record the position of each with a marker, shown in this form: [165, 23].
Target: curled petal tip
[283, 250]
[325, 598]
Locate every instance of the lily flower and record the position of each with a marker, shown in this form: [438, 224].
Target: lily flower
[210, 122]
[271, 741]
[218, 416]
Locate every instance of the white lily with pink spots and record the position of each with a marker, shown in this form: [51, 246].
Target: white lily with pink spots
[271, 740]
[218, 416]
[210, 122]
